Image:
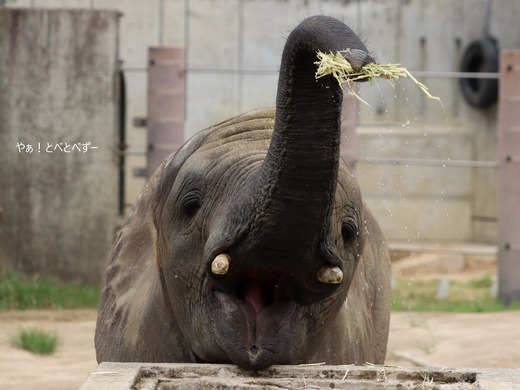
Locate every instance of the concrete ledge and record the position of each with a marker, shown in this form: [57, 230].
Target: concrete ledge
[167, 376]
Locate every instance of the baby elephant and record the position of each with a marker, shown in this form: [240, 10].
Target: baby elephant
[251, 244]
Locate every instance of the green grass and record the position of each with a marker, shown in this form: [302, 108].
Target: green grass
[36, 341]
[464, 297]
[20, 292]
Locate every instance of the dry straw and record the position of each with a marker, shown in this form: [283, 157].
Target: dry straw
[339, 67]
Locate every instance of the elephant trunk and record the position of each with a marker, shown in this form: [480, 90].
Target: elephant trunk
[298, 178]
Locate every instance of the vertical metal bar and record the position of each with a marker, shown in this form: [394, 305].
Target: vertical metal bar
[187, 13]
[166, 99]
[509, 177]
[161, 23]
[423, 63]
[121, 95]
[240, 57]
[398, 52]
[359, 25]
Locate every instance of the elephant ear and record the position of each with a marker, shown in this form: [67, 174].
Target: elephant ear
[132, 295]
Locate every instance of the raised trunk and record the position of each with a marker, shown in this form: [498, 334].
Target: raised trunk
[298, 178]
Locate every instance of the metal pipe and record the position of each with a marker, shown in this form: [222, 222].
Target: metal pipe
[128, 153]
[391, 161]
[455, 75]
[417, 73]
[490, 250]
[135, 69]
[250, 71]
[428, 162]
[274, 71]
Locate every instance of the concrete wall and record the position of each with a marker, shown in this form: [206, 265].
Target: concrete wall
[233, 52]
[432, 35]
[58, 129]
[420, 203]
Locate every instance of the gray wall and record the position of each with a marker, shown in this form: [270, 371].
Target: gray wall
[432, 35]
[234, 49]
[412, 203]
[58, 93]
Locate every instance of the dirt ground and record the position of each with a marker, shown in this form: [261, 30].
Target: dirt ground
[432, 339]
[416, 339]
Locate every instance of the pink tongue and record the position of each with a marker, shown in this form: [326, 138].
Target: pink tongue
[254, 295]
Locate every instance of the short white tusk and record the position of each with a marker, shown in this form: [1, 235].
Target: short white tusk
[329, 274]
[220, 266]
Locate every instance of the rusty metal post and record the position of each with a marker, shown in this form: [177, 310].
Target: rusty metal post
[509, 176]
[349, 139]
[166, 97]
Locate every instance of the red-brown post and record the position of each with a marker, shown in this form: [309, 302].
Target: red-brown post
[509, 177]
[166, 97]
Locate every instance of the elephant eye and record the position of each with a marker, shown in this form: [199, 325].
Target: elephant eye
[349, 230]
[190, 207]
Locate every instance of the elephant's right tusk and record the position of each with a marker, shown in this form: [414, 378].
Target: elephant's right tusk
[220, 266]
[330, 275]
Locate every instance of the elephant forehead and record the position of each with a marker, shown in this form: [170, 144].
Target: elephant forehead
[225, 146]
[242, 141]
[249, 135]
[223, 163]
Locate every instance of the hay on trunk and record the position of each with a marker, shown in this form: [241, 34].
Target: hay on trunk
[339, 67]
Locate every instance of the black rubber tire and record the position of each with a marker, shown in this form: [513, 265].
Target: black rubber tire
[480, 56]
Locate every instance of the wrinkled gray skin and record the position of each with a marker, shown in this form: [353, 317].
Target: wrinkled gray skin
[282, 204]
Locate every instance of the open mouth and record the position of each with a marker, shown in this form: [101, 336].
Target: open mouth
[262, 287]
[258, 312]
[265, 287]
[255, 312]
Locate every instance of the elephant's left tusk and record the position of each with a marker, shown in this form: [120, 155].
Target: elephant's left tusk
[330, 275]
[220, 266]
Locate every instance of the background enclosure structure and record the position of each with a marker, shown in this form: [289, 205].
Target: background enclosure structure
[233, 50]
[58, 129]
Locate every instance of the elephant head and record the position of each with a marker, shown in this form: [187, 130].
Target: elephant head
[244, 245]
